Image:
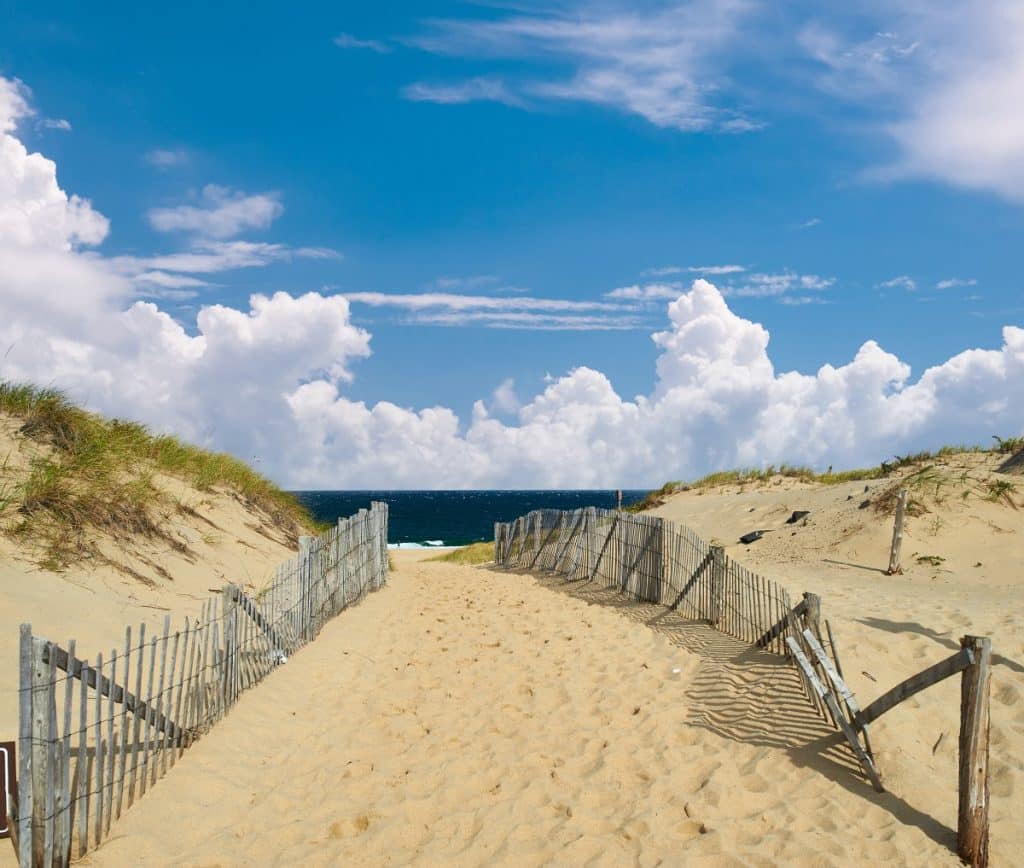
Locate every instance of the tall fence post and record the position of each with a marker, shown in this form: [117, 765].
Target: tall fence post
[229, 603]
[717, 583]
[897, 535]
[972, 816]
[42, 698]
[305, 577]
[26, 768]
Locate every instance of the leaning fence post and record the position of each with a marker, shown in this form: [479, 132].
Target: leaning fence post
[897, 534]
[812, 613]
[972, 816]
[717, 583]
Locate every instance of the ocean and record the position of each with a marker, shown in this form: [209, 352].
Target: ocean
[452, 518]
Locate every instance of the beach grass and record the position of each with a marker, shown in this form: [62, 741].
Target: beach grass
[884, 470]
[89, 474]
[474, 553]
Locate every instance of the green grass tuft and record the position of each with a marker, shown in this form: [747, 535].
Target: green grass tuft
[474, 553]
[921, 478]
[96, 474]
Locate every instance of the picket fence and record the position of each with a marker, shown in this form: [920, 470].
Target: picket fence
[94, 737]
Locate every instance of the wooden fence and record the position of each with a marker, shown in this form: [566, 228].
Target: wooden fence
[657, 561]
[93, 737]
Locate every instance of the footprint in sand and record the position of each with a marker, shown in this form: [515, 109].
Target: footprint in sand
[350, 827]
[690, 828]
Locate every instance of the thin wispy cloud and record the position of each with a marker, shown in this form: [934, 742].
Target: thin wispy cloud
[900, 282]
[473, 281]
[525, 320]
[519, 312]
[664, 64]
[55, 124]
[347, 40]
[801, 300]
[453, 301]
[647, 292]
[943, 83]
[219, 213]
[669, 270]
[807, 224]
[177, 270]
[778, 285]
[470, 90]
[716, 269]
[954, 282]
[167, 158]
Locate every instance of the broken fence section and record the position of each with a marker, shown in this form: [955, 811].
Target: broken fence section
[657, 561]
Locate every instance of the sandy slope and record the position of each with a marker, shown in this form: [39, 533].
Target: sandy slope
[463, 716]
[218, 540]
[890, 627]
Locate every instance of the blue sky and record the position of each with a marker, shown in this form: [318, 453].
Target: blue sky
[845, 177]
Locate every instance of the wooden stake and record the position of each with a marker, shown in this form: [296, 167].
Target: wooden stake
[972, 817]
[897, 535]
[717, 583]
[26, 765]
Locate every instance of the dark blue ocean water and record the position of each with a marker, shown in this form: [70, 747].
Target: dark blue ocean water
[452, 518]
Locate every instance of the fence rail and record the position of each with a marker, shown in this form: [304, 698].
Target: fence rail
[93, 737]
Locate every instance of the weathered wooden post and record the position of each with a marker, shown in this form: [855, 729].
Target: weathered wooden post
[897, 535]
[812, 613]
[717, 583]
[41, 773]
[26, 766]
[229, 616]
[618, 499]
[972, 816]
[305, 574]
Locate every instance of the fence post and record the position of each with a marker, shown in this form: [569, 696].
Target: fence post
[229, 615]
[897, 535]
[717, 583]
[42, 697]
[812, 614]
[972, 816]
[305, 571]
[25, 764]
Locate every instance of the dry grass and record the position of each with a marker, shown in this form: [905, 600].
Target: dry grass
[88, 475]
[921, 467]
[474, 553]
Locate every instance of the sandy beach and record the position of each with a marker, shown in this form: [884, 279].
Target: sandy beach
[464, 716]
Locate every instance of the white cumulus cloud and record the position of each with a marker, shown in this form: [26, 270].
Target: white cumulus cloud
[269, 380]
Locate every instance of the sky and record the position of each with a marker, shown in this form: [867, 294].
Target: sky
[446, 245]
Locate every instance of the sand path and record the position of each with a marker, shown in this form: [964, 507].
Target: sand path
[463, 716]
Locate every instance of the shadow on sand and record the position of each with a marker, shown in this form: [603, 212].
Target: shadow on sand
[944, 639]
[748, 695]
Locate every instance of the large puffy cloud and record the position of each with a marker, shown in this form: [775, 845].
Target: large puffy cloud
[268, 382]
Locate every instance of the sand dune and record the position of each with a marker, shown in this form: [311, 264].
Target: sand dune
[464, 716]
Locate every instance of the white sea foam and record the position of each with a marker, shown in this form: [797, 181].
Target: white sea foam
[426, 544]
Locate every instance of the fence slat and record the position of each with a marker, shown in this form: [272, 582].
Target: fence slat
[64, 793]
[126, 677]
[98, 752]
[107, 789]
